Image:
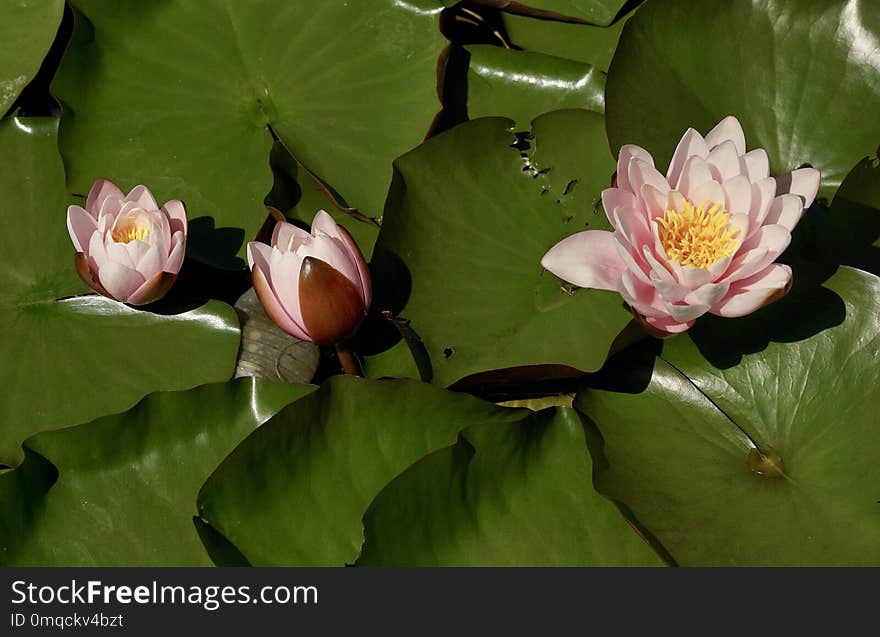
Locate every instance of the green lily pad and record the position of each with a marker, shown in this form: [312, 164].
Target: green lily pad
[522, 85]
[82, 357]
[746, 447]
[601, 12]
[467, 221]
[121, 490]
[346, 86]
[294, 492]
[27, 30]
[790, 72]
[514, 495]
[583, 42]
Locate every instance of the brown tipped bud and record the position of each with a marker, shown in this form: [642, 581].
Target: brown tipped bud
[332, 307]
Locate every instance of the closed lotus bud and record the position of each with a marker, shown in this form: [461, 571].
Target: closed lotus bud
[127, 248]
[314, 286]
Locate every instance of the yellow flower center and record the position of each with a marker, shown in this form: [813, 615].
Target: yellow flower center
[698, 236]
[132, 227]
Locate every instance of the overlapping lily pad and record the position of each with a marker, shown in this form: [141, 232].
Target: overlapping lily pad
[519, 494]
[121, 490]
[522, 84]
[69, 361]
[601, 12]
[294, 492]
[583, 42]
[346, 86]
[27, 30]
[792, 72]
[755, 440]
[467, 221]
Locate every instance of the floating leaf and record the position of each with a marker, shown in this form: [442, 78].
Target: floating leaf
[467, 221]
[121, 490]
[27, 30]
[790, 72]
[514, 495]
[346, 86]
[86, 356]
[747, 447]
[294, 492]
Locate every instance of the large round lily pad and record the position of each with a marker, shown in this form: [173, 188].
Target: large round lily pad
[792, 72]
[469, 217]
[294, 492]
[121, 490]
[185, 97]
[27, 30]
[512, 495]
[750, 448]
[69, 361]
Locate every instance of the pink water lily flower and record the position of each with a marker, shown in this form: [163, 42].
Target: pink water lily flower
[313, 285]
[127, 248]
[702, 238]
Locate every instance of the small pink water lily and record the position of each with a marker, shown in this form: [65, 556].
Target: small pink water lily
[704, 238]
[315, 286]
[127, 248]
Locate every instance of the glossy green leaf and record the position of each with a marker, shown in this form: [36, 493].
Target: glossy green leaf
[601, 12]
[755, 440]
[27, 30]
[791, 72]
[121, 490]
[346, 86]
[583, 42]
[467, 221]
[522, 85]
[513, 495]
[294, 492]
[86, 356]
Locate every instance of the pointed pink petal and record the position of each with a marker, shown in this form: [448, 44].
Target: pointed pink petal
[287, 237]
[691, 144]
[176, 213]
[81, 226]
[273, 308]
[284, 270]
[654, 200]
[668, 324]
[178, 252]
[785, 211]
[727, 129]
[694, 174]
[357, 257]
[683, 313]
[711, 192]
[626, 154]
[153, 289]
[142, 196]
[707, 295]
[738, 191]
[324, 222]
[803, 182]
[119, 280]
[763, 193]
[119, 253]
[641, 173]
[757, 252]
[100, 191]
[150, 263]
[97, 251]
[755, 292]
[613, 198]
[755, 165]
[639, 295]
[587, 259]
[724, 162]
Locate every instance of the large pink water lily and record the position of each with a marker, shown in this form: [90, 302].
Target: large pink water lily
[127, 248]
[702, 238]
[313, 285]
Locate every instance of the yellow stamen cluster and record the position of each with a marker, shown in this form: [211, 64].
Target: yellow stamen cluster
[131, 227]
[698, 236]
